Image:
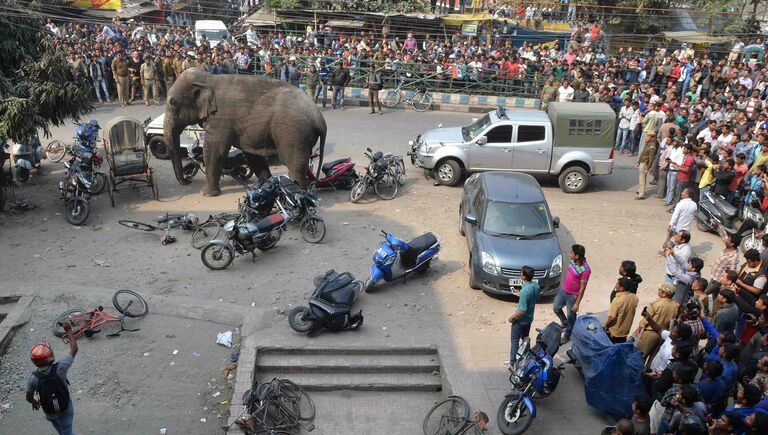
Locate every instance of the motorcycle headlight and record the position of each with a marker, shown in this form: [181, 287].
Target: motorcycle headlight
[489, 264]
[557, 266]
[229, 226]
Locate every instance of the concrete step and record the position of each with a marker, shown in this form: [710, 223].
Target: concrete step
[346, 363]
[347, 351]
[360, 381]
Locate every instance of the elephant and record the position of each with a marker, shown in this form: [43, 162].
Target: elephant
[258, 115]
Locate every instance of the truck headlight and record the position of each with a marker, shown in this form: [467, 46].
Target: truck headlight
[557, 266]
[489, 264]
[410, 143]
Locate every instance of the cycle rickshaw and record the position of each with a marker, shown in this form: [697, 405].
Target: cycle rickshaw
[128, 156]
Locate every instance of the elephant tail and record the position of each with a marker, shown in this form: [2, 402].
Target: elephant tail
[320, 153]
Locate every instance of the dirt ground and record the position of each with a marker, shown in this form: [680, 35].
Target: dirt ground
[142, 394]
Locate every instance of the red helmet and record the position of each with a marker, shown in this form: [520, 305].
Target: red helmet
[42, 354]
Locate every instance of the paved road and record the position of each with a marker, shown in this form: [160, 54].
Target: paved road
[436, 308]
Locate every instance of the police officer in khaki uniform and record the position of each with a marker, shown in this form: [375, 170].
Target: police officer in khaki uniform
[169, 73]
[148, 76]
[178, 65]
[123, 82]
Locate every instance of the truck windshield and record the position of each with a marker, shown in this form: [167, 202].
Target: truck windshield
[517, 220]
[477, 127]
[211, 35]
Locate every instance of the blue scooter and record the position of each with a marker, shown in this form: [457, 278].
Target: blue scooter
[395, 258]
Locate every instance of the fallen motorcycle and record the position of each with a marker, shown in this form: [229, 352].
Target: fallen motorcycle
[533, 374]
[234, 164]
[302, 206]
[242, 237]
[394, 258]
[714, 210]
[329, 305]
[340, 174]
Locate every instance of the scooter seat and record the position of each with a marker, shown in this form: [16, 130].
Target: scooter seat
[341, 296]
[416, 247]
[270, 222]
[328, 167]
[724, 206]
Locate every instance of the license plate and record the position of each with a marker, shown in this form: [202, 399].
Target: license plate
[518, 282]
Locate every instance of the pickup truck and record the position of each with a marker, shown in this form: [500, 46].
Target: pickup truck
[571, 141]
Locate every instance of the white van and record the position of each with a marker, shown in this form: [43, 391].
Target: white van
[214, 30]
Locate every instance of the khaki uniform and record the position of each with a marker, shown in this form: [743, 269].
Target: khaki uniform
[622, 309]
[178, 66]
[169, 74]
[662, 312]
[645, 162]
[149, 82]
[122, 81]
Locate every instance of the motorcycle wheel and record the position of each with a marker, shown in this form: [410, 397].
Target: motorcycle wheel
[77, 211]
[22, 174]
[368, 284]
[217, 257]
[190, 170]
[270, 242]
[242, 173]
[99, 183]
[347, 181]
[703, 227]
[358, 190]
[511, 419]
[296, 318]
[751, 242]
[312, 229]
[357, 323]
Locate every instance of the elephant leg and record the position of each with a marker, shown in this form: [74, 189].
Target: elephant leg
[214, 153]
[259, 166]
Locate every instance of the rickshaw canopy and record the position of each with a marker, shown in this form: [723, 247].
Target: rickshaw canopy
[124, 133]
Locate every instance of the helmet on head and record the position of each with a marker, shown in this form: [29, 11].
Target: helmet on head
[42, 354]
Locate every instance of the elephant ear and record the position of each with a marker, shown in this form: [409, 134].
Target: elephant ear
[205, 99]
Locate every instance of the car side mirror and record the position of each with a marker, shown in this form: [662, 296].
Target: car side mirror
[556, 222]
[482, 140]
[470, 219]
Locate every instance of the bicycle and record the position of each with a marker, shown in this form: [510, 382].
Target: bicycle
[420, 100]
[277, 407]
[379, 175]
[203, 232]
[399, 170]
[86, 323]
[451, 417]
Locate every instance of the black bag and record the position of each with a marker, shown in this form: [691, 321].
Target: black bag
[53, 392]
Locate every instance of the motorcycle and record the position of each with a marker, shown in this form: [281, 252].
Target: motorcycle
[75, 191]
[340, 174]
[713, 208]
[302, 206]
[242, 236]
[533, 374]
[379, 175]
[27, 156]
[234, 164]
[86, 136]
[394, 258]
[329, 305]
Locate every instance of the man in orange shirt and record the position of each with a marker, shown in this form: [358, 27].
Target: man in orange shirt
[740, 169]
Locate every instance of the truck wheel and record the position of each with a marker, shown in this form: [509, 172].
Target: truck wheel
[574, 179]
[159, 148]
[448, 172]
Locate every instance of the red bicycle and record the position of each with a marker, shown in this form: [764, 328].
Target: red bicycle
[86, 323]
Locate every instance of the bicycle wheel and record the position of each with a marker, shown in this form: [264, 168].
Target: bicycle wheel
[391, 97]
[400, 171]
[358, 190]
[56, 150]
[130, 303]
[294, 397]
[205, 233]
[421, 101]
[387, 186]
[138, 225]
[447, 417]
[78, 316]
[312, 229]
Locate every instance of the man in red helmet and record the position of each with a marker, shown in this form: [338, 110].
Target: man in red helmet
[50, 383]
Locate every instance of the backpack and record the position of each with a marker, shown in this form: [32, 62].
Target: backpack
[53, 392]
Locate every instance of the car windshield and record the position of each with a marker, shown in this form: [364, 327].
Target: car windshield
[477, 127]
[212, 35]
[517, 220]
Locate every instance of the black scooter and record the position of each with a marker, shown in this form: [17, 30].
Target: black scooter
[329, 306]
[235, 164]
[713, 207]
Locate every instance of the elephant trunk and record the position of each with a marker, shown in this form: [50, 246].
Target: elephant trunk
[172, 133]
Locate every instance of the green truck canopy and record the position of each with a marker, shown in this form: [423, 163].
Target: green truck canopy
[590, 125]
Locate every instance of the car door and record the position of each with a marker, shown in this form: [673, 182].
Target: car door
[475, 207]
[492, 149]
[531, 149]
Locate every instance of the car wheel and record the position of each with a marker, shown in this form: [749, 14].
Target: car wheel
[448, 172]
[159, 148]
[573, 179]
[472, 281]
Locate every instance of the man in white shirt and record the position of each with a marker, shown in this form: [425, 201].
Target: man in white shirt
[682, 216]
[250, 35]
[745, 80]
[565, 92]
[681, 251]
[622, 135]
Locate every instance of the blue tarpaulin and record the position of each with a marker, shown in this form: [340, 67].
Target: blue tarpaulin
[612, 372]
